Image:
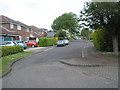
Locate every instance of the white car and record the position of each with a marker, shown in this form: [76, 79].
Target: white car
[61, 43]
[66, 42]
[2, 44]
[10, 43]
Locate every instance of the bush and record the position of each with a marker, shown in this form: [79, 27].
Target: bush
[55, 40]
[4, 51]
[102, 40]
[44, 41]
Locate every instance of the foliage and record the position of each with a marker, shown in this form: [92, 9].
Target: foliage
[44, 41]
[60, 34]
[67, 21]
[55, 40]
[5, 61]
[106, 15]
[86, 33]
[4, 51]
[102, 14]
[101, 40]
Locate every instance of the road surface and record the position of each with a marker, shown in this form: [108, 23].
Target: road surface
[43, 70]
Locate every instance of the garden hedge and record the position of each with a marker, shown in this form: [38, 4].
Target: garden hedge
[102, 40]
[45, 41]
[4, 51]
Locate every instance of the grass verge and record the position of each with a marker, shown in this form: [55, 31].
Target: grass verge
[113, 56]
[5, 61]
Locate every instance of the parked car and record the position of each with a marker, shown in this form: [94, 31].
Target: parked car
[66, 42]
[61, 43]
[32, 43]
[10, 43]
[22, 43]
[2, 44]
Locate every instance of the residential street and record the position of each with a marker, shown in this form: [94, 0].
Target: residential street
[44, 70]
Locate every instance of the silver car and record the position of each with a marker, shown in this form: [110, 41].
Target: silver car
[66, 42]
[61, 43]
[10, 43]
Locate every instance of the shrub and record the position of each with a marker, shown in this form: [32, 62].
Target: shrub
[55, 40]
[102, 40]
[4, 51]
[44, 41]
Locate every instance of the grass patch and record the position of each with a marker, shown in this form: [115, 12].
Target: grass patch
[5, 61]
[113, 56]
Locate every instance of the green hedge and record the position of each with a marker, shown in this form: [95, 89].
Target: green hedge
[44, 41]
[55, 40]
[102, 40]
[4, 51]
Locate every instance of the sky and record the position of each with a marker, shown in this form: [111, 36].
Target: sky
[40, 13]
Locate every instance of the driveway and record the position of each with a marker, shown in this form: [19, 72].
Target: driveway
[43, 70]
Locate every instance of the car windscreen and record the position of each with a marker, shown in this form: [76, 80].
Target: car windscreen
[2, 43]
[7, 42]
[29, 41]
[60, 41]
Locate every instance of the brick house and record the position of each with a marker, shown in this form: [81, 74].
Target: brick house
[15, 30]
[44, 32]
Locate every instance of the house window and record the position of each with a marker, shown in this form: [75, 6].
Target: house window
[8, 38]
[18, 27]
[20, 38]
[1, 39]
[42, 32]
[27, 29]
[11, 26]
[27, 38]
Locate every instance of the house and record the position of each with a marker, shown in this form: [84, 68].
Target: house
[7, 35]
[44, 32]
[35, 33]
[16, 30]
[13, 30]
[51, 34]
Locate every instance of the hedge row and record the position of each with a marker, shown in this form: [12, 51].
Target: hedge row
[102, 40]
[4, 51]
[44, 41]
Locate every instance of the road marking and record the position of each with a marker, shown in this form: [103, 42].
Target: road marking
[82, 53]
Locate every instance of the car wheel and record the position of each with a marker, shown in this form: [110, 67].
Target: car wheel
[33, 46]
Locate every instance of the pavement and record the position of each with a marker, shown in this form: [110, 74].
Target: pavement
[37, 49]
[95, 62]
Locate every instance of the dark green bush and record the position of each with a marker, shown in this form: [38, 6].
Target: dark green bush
[102, 40]
[44, 41]
[4, 51]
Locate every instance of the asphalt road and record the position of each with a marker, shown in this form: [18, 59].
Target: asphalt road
[43, 70]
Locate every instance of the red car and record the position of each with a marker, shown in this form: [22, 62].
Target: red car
[32, 43]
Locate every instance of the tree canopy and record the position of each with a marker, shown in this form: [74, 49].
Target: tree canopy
[60, 34]
[67, 21]
[102, 14]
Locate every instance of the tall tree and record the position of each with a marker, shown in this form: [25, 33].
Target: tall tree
[60, 34]
[67, 21]
[103, 15]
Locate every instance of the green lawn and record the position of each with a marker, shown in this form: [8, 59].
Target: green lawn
[5, 61]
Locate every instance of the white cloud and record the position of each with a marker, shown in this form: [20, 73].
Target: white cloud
[40, 13]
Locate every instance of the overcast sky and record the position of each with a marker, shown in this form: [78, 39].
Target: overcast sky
[40, 13]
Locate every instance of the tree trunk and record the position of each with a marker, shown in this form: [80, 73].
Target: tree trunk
[115, 45]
